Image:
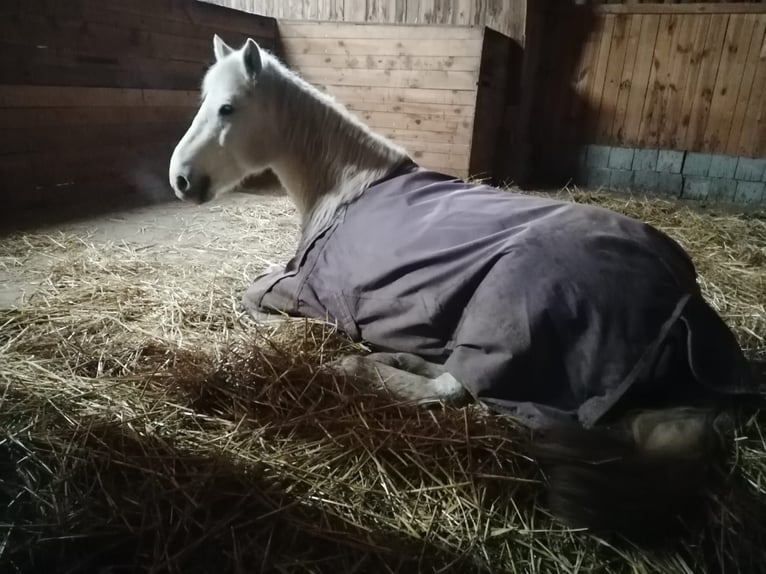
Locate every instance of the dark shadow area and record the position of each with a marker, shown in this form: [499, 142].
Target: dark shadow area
[550, 121]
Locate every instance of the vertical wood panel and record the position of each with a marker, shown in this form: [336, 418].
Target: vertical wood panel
[625, 78]
[749, 77]
[648, 135]
[691, 80]
[650, 76]
[726, 91]
[711, 59]
[615, 66]
[399, 80]
[639, 83]
[582, 80]
[596, 89]
[673, 81]
[748, 138]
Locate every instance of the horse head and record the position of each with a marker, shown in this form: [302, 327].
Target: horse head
[232, 134]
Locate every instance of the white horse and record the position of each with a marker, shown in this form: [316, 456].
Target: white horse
[256, 115]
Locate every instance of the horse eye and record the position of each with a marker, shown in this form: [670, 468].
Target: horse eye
[225, 110]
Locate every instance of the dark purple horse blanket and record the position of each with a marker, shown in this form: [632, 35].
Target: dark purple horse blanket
[542, 308]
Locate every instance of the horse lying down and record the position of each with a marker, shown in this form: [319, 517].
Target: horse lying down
[585, 325]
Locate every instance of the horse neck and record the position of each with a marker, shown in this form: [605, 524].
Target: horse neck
[328, 156]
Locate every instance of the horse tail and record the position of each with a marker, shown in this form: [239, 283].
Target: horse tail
[636, 477]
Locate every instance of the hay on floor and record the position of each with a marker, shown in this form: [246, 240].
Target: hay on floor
[146, 425]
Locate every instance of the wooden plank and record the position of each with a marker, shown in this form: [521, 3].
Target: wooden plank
[613, 80]
[100, 40]
[412, 95]
[188, 13]
[13, 96]
[423, 136]
[549, 80]
[454, 149]
[749, 75]
[454, 63]
[751, 126]
[375, 30]
[402, 47]
[430, 79]
[28, 171]
[691, 8]
[651, 120]
[575, 38]
[399, 121]
[728, 82]
[68, 68]
[596, 88]
[674, 81]
[412, 11]
[439, 160]
[617, 134]
[442, 111]
[582, 78]
[494, 83]
[462, 12]
[760, 147]
[708, 72]
[693, 73]
[87, 137]
[83, 14]
[355, 11]
[53, 118]
[639, 83]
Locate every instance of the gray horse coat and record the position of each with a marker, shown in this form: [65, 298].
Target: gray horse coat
[540, 308]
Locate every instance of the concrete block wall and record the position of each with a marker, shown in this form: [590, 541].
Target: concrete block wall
[691, 175]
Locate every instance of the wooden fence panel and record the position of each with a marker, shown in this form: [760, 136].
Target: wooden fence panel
[690, 77]
[415, 84]
[94, 94]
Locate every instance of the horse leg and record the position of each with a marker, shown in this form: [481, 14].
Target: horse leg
[410, 363]
[428, 383]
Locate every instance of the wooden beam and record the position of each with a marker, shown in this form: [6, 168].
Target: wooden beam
[692, 8]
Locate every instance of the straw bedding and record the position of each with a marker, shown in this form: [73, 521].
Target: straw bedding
[146, 425]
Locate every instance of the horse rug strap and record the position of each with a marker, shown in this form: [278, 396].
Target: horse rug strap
[541, 308]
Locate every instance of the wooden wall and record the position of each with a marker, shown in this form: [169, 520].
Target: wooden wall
[689, 77]
[94, 94]
[505, 16]
[415, 84]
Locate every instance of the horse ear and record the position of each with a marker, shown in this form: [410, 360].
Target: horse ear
[220, 48]
[251, 55]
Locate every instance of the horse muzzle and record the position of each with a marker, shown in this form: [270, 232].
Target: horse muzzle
[190, 188]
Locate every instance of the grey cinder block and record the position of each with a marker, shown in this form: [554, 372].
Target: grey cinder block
[646, 180]
[670, 184]
[597, 156]
[722, 190]
[645, 159]
[750, 169]
[599, 177]
[696, 187]
[670, 161]
[749, 192]
[696, 164]
[621, 158]
[621, 179]
[722, 166]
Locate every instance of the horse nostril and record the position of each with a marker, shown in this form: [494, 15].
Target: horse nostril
[182, 183]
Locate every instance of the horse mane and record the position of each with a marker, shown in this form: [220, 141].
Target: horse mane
[330, 155]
